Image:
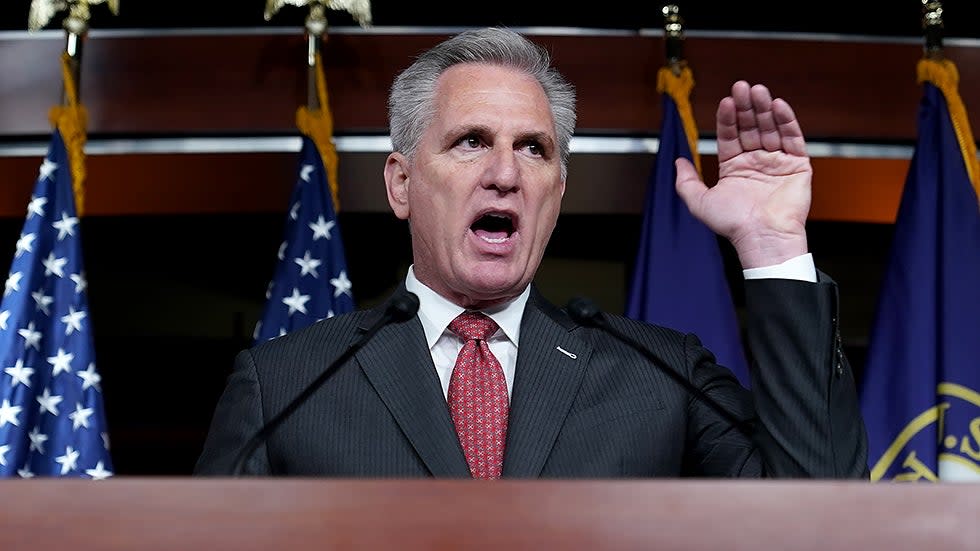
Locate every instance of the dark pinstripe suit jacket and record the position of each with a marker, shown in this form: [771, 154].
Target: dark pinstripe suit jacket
[607, 412]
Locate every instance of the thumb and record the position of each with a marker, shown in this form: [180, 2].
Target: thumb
[689, 185]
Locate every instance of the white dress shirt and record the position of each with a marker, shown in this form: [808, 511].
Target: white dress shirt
[435, 313]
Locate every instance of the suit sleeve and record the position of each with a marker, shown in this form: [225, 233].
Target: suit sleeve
[237, 418]
[803, 389]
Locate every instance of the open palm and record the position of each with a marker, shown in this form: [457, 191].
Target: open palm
[762, 197]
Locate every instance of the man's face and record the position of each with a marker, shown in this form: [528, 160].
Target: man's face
[484, 188]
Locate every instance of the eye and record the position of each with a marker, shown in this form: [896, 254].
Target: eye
[470, 141]
[534, 148]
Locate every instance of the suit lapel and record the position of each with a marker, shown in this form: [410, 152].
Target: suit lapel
[400, 368]
[546, 381]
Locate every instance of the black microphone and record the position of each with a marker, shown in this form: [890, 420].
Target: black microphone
[585, 312]
[401, 307]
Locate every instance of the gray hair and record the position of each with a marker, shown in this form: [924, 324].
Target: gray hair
[411, 104]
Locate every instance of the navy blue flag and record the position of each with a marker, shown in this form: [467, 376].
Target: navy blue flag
[679, 277]
[921, 387]
[52, 421]
[310, 281]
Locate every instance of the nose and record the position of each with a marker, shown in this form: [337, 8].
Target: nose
[503, 170]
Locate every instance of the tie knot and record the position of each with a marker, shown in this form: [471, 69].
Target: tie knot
[473, 325]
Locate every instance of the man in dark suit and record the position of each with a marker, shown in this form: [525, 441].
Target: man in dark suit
[490, 380]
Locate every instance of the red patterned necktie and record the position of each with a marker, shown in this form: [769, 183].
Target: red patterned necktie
[477, 397]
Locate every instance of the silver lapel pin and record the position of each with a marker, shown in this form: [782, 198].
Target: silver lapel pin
[566, 352]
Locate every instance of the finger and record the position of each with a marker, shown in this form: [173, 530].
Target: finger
[689, 186]
[727, 130]
[768, 131]
[791, 135]
[748, 127]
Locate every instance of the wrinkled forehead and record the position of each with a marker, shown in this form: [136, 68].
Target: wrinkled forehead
[487, 93]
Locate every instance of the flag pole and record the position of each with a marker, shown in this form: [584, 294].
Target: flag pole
[316, 26]
[676, 79]
[674, 38]
[932, 28]
[76, 27]
[70, 117]
[941, 72]
[314, 119]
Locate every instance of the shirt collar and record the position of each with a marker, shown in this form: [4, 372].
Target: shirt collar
[436, 312]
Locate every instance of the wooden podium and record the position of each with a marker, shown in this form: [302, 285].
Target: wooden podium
[190, 514]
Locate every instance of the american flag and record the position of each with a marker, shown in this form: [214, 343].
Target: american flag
[52, 421]
[310, 282]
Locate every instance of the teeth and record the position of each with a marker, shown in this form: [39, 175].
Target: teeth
[494, 240]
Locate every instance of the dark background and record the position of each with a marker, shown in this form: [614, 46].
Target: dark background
[174, 297]
[877, 17]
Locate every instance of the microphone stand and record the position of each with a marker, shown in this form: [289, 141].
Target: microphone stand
[401, 308]
[586, 313]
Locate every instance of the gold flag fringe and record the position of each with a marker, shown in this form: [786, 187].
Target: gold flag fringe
[943, 74]
[318, 125]
[71, 120]
[679, 87]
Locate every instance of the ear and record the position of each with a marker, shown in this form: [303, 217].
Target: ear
[396, 184]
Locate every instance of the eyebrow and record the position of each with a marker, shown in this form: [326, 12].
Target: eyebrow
[542, 138]
[456, 132]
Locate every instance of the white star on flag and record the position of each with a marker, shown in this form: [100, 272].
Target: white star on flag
[20, 374]
[68, 461]
[308, 265]
[341, 285]
[49, 313]
[90, 378]
[99, 472]
[79, 417]
[42, 301]
[321, 228]
[25, 244]
[297, 296]
[38, 440]
[80, 282]
[61, 362]
[53, 265]
[48, 402]
[305, 171]
[36, 206]
[65, 226]
[44, 173]
[73, 320]
[32, 338]
[8, 413]
[296, 302]
[12, 284]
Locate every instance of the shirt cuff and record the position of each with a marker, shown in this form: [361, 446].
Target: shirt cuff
[800, 267]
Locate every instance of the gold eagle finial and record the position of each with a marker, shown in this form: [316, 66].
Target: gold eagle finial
[43, 10]
[359, 9]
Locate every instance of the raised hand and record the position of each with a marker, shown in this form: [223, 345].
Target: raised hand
[762, 197]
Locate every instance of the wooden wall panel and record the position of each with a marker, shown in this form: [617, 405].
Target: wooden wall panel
[252, 84]
[854, 190]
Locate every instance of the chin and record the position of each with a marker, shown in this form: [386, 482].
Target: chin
[495, 286]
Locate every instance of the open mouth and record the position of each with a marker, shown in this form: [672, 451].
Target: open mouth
[494, 227]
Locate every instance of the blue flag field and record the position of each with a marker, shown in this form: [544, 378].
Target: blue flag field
[921, 388]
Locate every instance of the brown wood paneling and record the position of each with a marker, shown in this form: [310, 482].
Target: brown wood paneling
[192, 514]
[253, 83]
[165, 183]
[855, 190]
